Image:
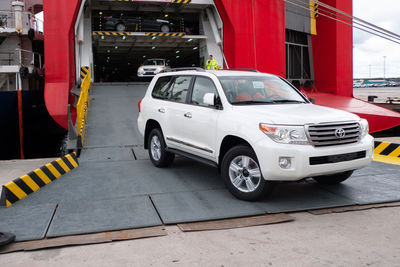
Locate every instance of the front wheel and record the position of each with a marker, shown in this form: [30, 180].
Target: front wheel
[158, 156]
[120, 27]
[242, 175]
[336, 178]
[165, 28]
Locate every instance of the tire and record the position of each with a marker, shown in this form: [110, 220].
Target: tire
[165, 28]
[158, 156]
[120, 27]
[336, 178]
[247, 187]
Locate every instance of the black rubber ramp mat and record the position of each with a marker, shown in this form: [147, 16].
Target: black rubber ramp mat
[107, 154]
[202, 206]
[289, 197]
[26, 222]
[80, 217]
[369, 189]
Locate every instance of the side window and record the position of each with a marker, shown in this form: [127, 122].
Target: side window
[201, 87]
[180, 89]
[161, 87]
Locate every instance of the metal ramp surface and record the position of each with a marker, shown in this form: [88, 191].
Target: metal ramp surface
[116, 186]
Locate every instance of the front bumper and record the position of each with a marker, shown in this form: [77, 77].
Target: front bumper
[268, 154]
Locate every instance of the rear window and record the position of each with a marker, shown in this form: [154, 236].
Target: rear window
[160, 90]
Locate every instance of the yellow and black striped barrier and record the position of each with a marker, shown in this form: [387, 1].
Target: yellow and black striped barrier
[84, 72]
[393, 100]
[107, 33]
[33, 181]
[387, 152]
[158, 34]
[167, 34]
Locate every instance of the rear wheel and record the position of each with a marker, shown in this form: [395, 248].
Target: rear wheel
[159, 157]
[242, 175]
[165, 28]
[120, 27]
[336, 178]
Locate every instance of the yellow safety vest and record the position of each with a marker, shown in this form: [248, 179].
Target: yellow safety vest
[211, 64]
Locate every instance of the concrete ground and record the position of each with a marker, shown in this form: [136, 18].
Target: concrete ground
[381, 92]
[358, 238]
[11, 169]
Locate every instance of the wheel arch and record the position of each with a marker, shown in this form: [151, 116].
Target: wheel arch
[150, 125]
[228, 142]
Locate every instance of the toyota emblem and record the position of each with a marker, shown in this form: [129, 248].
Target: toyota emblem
[340, 133]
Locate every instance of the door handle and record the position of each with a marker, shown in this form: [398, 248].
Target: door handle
[161, 110]
[188, 115]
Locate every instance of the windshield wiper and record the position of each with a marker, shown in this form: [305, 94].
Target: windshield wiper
[251, 102]
[288, 101]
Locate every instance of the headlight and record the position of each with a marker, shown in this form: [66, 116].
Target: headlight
[285, 134]
[140, 70]
[364, 127]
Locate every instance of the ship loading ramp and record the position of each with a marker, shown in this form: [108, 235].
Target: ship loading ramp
[117, 37]
[116, 187]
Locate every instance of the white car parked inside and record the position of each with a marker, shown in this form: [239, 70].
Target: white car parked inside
[255, 127]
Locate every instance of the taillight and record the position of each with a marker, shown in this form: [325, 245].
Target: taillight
[139, 104]
[107, 18]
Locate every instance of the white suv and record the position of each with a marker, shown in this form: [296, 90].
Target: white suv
[255, 127]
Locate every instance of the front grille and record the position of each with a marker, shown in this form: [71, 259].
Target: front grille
[149, 69]
[326, 134]
[338, 158]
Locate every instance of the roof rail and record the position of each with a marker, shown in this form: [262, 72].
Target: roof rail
[252, 70]
[187, 68]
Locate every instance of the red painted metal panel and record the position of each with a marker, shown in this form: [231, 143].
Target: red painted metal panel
[333, 53]
[59, 21]
[379, 118]
[254, 34]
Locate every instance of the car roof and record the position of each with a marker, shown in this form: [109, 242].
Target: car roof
[219, 73]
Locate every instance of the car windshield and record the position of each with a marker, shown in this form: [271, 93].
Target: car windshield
[251, 90]
[159, 62]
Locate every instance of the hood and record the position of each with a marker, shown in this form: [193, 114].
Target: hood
[294, 114]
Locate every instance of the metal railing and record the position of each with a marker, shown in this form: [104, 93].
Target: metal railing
[28, 21]
[83, 104]
[22, 57]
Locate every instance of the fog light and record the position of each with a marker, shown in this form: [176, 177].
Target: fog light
[284, 162]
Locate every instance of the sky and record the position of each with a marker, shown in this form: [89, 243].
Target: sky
[369, 49]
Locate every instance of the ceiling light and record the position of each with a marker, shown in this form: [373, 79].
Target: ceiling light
[177, 51]
[123, 37]
[154, 37]
[177, 56]
[108, 51]
[102, 37]
[166, 15]
[190, 40]
[195, 48]
[153, 47]
[100, 13]
[116, 47]
[144, 56]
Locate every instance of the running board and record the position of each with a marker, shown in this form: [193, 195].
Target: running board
[193, 157]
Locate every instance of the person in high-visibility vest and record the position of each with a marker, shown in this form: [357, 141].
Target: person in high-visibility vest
[211, 63]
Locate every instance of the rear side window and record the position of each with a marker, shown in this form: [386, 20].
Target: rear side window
[161, 88]
[180, 88]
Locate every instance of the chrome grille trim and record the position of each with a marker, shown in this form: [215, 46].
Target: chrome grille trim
[323, 134]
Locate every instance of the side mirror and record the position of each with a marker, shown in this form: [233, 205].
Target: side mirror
[209, 99]
[312, 100]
